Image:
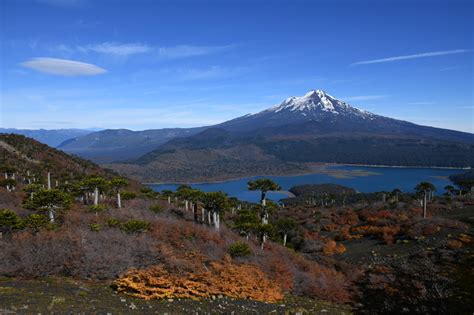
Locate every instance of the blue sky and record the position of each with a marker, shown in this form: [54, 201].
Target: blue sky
[154, 64]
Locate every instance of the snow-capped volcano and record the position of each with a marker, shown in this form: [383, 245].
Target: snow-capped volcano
[318, 100]
[316, 106]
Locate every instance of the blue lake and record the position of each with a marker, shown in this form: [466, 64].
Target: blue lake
[380, 178]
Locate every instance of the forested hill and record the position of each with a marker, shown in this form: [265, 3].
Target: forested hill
[31, 160]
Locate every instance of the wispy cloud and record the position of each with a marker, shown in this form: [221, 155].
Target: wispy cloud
[117, 49]
[363, 97]
[62, 67]
[184, 51]
[127, 49]
[415, 56]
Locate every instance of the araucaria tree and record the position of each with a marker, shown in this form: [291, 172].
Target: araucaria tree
[52, 201]
[264, 185]
[215, 203]
[285, 227]
[117, 184]
[96, 184]
[426, 189]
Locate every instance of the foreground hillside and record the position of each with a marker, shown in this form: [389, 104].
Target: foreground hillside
[103, 243]
[288, 138]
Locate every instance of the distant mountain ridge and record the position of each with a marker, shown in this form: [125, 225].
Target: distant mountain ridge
[287, 137]
[51, 137]
[112, 145]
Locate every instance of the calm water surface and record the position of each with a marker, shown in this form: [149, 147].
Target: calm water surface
[386, 179]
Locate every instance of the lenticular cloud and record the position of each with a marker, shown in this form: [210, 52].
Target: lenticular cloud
[62, 67]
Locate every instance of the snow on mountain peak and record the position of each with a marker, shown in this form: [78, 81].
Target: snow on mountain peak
[311, 100]
[317, 101]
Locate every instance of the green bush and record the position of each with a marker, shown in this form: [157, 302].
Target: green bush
[135, 226]
[98, 208]
[156, 208]
[9, 221]
[35, 222]
[128, 195]
[112, 222]
[146, 190]
[95, 227]
[239, 249]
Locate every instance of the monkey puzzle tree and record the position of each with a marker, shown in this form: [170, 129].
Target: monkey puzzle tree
[426, 189]
[8, 183]
[31, 189]
[246, 222]
[396, 193]
[449, 189]
[285, 227]
[264, 185]
[215, 202]
[96, 185]
[117, 184]
[167, 194]
[52, 201]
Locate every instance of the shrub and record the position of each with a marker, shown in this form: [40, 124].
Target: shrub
[239, 249]
[95, 227]
[128, 195]
[331, 248]
[9, 221]
[135, 226]
[35, 222]
[146, 190]
[113, 222]
[98, 208]
[156, 208]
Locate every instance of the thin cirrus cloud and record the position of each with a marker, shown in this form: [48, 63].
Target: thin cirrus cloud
[183, 51]
[63, 67]
[128, 49]
[117, 49]
[415, 56]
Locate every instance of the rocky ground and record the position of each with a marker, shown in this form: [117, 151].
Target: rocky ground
[65, 296]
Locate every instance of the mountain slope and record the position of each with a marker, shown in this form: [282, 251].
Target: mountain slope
[121, 144]
[301, 130]
[53, 137]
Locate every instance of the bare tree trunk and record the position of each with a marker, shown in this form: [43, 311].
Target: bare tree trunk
[49, 180]
[51, 216]
[284, 239]
[96, 196]
[119, 200]
[424, 205]
[169, 200]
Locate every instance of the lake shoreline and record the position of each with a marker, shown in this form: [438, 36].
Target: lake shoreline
[313, 169]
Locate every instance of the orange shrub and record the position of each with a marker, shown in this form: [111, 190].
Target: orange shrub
[331, 248]
[330, 227]
[454, 244]
[243, 281]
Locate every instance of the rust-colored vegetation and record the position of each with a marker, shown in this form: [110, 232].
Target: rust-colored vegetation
[239, 281]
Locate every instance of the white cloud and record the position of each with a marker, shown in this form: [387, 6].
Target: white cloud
[363, 98]
[62, 67]
[415, 56]
[117, 49]
[183, 51]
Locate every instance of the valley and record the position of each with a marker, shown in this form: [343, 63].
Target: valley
[286, 139]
